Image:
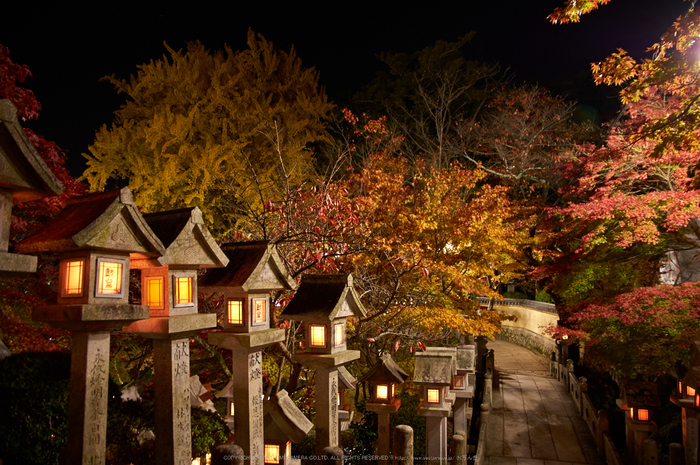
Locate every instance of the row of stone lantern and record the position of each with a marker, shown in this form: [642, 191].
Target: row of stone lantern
[687, 396]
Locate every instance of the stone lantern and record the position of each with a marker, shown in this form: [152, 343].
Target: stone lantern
[687, 396]
[460, 385]
[637, 399]
[383, 378]
[284, 424]
[323, 303]
[227, 393]
[253, 271]
[169, 288]
[434, 371]
[95, 235]
[24, 176]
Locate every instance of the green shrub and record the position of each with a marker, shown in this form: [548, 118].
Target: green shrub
[542, 296]
[515, 295]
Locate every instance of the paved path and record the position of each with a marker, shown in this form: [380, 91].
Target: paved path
[534, 421]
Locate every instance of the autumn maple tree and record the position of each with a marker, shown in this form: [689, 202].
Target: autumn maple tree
[634, 200]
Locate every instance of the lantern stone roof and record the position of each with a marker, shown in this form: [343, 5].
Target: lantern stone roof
[463, 356]
[433, 368]
[23, 171]
[186, 239]
[642, 395]
[284, 421]
[324, 297]
[105, 220]
[345, 379]
[253, 267]
[386, 370]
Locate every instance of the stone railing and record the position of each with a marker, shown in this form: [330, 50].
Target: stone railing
[535, 305]
[597, 420]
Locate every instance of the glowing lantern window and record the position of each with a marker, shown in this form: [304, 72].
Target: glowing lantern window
[338, 335]
[392, 389]
[689, 391]
[259, 311]
[339, 399]
[631, 413]
[382, 391]
[288, 451]
[643, 414]
[433, 396]
[109, 278]
[235, 312]
[317, 334]
[231, 410]
[73, 278]
[697, 400]
[154, 292]
[272, 453]
[183, 291]
[680, 387]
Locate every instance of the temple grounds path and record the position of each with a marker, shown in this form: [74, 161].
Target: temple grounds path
[534, 421]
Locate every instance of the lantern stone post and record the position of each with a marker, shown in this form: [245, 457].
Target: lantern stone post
[253, 271]
[637, 399]
[169, 288]
[323, 303]
[24, 176]
[434, 371]
[383, 378]
[95, 233]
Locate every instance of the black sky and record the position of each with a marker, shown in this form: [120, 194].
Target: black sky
[68, 48]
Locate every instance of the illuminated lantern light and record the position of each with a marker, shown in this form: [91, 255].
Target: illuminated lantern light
[183, 291]
[317, 335]
[392, 389]
[643, 414]
[232, 410]
[339, 401]
[154, 292]
[72, 278]
[339, 335]
[433, 396]
[697, 400]
[382, 392]
[272, 453]
[680, 387]
[259, 311]
[689, 391]
[288, 451]
[235, 312]
[109, 278]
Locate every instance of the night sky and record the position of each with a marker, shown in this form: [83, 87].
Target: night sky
[68, 49]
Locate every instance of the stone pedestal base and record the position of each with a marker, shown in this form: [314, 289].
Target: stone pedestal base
[87, 405]
[247, 386]
[384, 430]
[171, 354]
[326, 366]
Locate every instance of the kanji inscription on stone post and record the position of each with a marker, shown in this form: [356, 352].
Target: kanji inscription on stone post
[256, 416]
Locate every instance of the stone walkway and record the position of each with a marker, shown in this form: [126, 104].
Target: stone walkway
[534, 421]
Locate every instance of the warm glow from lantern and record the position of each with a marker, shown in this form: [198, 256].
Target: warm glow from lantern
[109, 280]
[73, 278]
[259, 311]
[183, 290]
[382, 391]
[339, 335]
[433, 396]
[632, 413]
[272, 453]
[392, 389]
[697, 400]
[680, 387]
[232, 409]
[318, 335]
[235, 312]
[288, 452]
[689, 391]
[339, 399]
[643, 414]
[154, 292]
